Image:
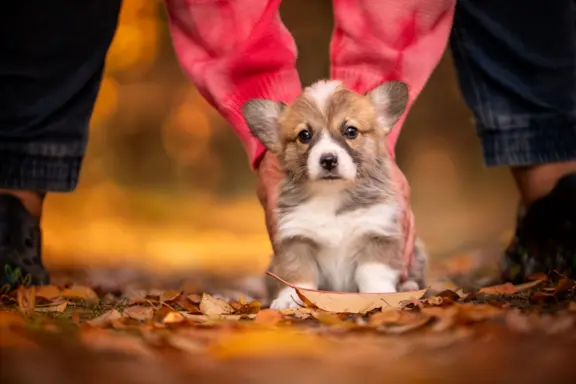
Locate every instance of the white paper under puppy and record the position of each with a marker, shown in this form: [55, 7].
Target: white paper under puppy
[337, 209]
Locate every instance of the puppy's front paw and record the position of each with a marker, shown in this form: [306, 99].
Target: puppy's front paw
[408, 286]
[287, 298]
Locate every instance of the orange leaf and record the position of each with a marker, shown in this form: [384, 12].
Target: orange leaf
[52, 308]
[138, 313]
[26, 299]
[48, 292]
[173, 318]
[80, 292]
[105, 319]
[348, 302]
[268, 317]
[169, 296]
[211, 306]
[510, 289]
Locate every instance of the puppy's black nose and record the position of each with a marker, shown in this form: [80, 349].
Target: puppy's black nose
[328, 161]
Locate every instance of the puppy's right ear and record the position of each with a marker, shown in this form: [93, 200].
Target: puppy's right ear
[262, 118]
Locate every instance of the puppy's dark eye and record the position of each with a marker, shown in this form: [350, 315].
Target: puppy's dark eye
[305, 136]
[351, 132]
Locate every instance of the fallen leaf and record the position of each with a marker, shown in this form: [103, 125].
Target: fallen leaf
[26, 299]
[347, 302]
[138, 313]
[48, 292]
[542, 298]
[419, 321]
[435, 300]
[80, 292]
[327, 318]
[564, 285]
[538, 276]
[268, 317]
[510, 289]
[449, 294]
[169, 296]
[446, 318]
[188, 305]
[173, 318]
[478, 312]
[105, 319]
[52, 308]
[252, 307]
[386, 316]
[194, 298]
[298, 313]
[211, 306]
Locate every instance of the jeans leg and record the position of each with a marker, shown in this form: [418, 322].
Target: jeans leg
[516, 64]
[52, 57]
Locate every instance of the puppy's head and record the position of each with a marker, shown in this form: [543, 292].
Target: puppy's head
[328, 132]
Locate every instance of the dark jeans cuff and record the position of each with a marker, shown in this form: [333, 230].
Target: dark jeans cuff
[540, 142]
[40, 167]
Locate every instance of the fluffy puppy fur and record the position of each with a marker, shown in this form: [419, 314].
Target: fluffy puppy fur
[338, 226]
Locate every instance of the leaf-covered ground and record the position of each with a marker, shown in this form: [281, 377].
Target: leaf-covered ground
[71, 333]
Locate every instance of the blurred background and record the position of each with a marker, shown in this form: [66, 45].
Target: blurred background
[166, 184]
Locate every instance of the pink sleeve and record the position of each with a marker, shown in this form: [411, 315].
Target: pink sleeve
[234, 51]
[375, 41]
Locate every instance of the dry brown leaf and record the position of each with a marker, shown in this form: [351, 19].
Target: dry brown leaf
[48, 292]
[139, 313]
[346, 302]
[510, 289]
[518, 322]
[248, 308]
[446, 318]
[537, 276]
[105, 319]
[435, 300]
[564, 285]
[478, 312]
[387, 316]
[80, 292]
[26, 299]
[298, 313]
[418, 321]
[169, 296]
[327, 318]
[542, 298]
[188, 305]
[174, 318]
[211, 306]
[52, 308]
[195, 298]
[268, 317]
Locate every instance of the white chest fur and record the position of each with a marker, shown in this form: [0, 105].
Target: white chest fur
[338, 235]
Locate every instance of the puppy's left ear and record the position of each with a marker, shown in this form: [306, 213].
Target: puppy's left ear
[262, 118]
[389, 100]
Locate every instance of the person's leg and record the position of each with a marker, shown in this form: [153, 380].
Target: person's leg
[51, 61]
[516, 64]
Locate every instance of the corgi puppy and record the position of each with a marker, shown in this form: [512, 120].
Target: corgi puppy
[337, 209]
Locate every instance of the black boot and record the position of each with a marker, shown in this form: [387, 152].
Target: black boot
[20, 246]
[545, 239]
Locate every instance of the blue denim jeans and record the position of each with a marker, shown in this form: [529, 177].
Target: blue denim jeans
[515, 60]
[516, 64]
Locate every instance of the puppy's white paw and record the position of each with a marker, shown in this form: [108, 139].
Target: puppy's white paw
[287, 298]
[408, 286]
